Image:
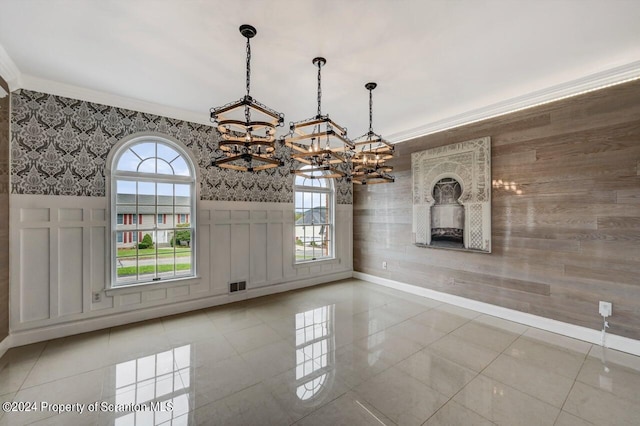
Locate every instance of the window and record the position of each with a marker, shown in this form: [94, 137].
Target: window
[151, 179]
[314, 206]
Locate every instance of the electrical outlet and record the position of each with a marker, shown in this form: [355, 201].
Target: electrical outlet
[97, 297]
[384, 264]
[605, 309]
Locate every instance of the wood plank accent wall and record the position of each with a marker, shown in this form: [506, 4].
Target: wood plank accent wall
[570, 239]
[4, 211]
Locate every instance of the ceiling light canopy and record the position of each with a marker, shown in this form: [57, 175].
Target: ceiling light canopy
[319, 141]
[372, 151]
[247, 127]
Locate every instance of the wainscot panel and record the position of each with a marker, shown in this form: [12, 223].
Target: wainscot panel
[60, 276]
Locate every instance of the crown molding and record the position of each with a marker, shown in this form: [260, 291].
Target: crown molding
[601, 80]
[9, 71]
[618, 75]
[17, 80]
[37, 84]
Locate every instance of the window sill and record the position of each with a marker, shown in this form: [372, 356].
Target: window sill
[324, 261]
[138, 287]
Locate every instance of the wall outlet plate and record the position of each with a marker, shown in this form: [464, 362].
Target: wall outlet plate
[384, 264]
[97, 297]
[605, 309]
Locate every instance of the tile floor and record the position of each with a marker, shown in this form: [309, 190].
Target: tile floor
[347, 353]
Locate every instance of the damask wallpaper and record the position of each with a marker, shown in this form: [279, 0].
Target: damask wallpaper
[59, 146]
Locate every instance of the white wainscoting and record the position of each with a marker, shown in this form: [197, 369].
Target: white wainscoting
[60, 253]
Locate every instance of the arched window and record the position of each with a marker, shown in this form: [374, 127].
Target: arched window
[152, 212]
[314, 215]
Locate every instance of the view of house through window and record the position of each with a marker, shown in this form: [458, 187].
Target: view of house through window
[314, 204]
[153, 204]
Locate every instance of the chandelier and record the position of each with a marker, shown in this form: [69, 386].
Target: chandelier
[318, 141]
[247, 142]
[371, 153]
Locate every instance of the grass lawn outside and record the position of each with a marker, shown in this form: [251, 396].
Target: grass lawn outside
[149, 269]
[162, 252]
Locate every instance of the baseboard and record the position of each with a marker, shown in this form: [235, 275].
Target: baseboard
[294, 285]
[612, 341]
[25, 337]
[5, 345]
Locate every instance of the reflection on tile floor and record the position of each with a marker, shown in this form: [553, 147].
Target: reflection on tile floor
[346, 353]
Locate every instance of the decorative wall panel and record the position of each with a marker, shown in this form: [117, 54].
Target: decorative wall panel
[246, 241]
[59, 147]
[469, 165]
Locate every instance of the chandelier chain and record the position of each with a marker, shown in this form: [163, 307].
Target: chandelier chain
[248, 66]
[247, 110]
[370, 111]
[319, 88]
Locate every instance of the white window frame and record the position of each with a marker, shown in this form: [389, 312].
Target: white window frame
[113, 175]
[331, 205]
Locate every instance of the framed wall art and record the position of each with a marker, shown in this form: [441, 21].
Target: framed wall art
[452, 196]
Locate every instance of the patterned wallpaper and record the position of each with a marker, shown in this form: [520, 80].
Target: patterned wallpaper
[59, 146]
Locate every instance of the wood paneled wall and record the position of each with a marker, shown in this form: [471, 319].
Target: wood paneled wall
[570, 239]
[4, 211]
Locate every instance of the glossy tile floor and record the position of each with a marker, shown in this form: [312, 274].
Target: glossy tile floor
[348, 353]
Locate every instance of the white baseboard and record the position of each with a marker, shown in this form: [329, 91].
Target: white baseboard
[613, 341]
[5, 345]
[25, 337]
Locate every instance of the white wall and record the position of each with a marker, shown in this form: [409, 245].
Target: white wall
[60, 254]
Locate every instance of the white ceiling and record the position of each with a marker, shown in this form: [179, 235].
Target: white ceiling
[432, 59]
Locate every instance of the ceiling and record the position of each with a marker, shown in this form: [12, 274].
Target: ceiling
[433, 60]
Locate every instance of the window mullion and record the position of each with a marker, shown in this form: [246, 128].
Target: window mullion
[155, 219]
[175, 232]
[136, 230]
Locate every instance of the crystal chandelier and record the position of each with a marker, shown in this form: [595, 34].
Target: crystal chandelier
[318, 141]
[371, 153]
[247, 143]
